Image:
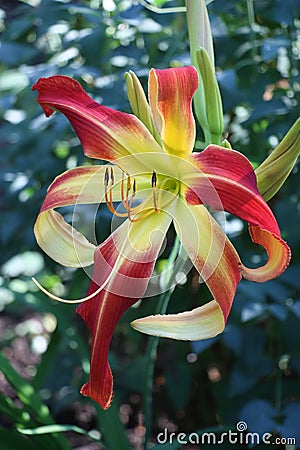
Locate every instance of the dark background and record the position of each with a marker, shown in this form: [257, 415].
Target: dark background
[250, 372]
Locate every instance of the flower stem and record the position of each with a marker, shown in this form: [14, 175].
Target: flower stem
[153, 341]
[156, 9]
[251, 20]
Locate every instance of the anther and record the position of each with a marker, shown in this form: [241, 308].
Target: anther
[127, 199]
[132, 195]
[154, 179]
[106, 177]
[112, 177]
[153, 183]
[128, 183]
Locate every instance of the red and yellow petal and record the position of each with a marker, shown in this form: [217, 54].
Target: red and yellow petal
[84, 184]
[61, 241]
[104, 133]
[57, 238]
[170, 95]
[279, 255]
[218, 265]
[125, 260]
[225, 177]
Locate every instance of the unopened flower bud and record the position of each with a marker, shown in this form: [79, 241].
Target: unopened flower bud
[213, 102]
[138, 102]
[273, 172]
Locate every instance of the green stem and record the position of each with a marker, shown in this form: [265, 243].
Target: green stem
[251, 19]
[158, 10]
[153, 341]
[151, 356]
[278, 391]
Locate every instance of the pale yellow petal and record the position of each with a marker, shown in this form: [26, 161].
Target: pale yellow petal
[200, 323]
[61, 241]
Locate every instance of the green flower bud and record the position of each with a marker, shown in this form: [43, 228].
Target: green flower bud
[138, 102]
[212, 96]
[273, 172]
[200, 37]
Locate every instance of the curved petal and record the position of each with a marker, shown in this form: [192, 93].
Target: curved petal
[104, 133]
[126, 259]
[170, 96]
[61, 241]
[218, 265]
[58, 239]
[279, 255]
[233, 179]
[84, 184]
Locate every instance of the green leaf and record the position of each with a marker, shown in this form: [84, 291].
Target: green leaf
[49, 429]
[112, 428]
[30, 399]
[25, 391]
[11, 440]
[16, 414]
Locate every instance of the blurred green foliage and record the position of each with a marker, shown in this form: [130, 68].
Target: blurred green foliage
[251, 372]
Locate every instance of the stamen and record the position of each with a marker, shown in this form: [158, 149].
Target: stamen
[122, 190]
[154, 179]
[153, 182]
[128, 183]
[134, 186]
[106, 177]
[112, 177]
[127, 200]
[109, 201]
[127, 192]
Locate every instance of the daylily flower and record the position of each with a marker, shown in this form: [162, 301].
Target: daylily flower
[156, 181]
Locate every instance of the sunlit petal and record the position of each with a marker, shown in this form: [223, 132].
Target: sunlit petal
[233, 179]
[61, 241]
[55, 236]
[200, 323]
[82, 185]
[104, 133]
[218, 265]
[170, 95]
[129, 254]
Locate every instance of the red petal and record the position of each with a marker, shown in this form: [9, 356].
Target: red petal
[104, 133]
[226, 178]
[126, 259]
[81, 185]
[105, 309]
